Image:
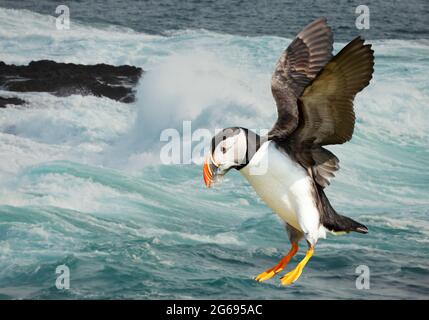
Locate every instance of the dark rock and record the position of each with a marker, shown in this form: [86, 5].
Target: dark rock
[6, 101]
[64, 79]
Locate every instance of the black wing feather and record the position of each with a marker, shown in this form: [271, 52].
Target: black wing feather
[296, 68]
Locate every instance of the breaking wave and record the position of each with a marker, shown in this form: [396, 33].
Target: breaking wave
[81, 183]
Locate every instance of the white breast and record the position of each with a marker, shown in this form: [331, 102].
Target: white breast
[284, 186]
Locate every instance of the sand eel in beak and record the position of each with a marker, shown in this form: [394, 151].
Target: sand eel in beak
[289, 168]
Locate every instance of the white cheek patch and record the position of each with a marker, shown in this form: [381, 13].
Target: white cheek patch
[229, 142]
[235, 154]
[220, 157]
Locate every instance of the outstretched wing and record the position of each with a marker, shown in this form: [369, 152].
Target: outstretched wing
[326, 106]
[326, 113]
[296, 68]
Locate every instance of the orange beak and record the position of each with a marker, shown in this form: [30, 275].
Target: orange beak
[208, 171]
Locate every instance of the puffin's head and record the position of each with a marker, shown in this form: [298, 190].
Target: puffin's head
[228, 150]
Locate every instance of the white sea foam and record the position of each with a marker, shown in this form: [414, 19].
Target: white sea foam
[226, 238]
[71, 179]
[27, 36]
[400, 223]
[59, 190]
[215, 80]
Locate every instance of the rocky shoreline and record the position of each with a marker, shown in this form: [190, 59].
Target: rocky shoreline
[5, 101]
[64, 79]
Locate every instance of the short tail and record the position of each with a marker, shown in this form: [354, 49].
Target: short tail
[335, 222]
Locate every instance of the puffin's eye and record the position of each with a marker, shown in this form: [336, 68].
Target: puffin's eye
[223, 149]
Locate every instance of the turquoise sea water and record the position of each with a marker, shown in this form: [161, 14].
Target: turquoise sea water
[81, 183]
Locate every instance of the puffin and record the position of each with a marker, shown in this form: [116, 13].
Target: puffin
[289, 167]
